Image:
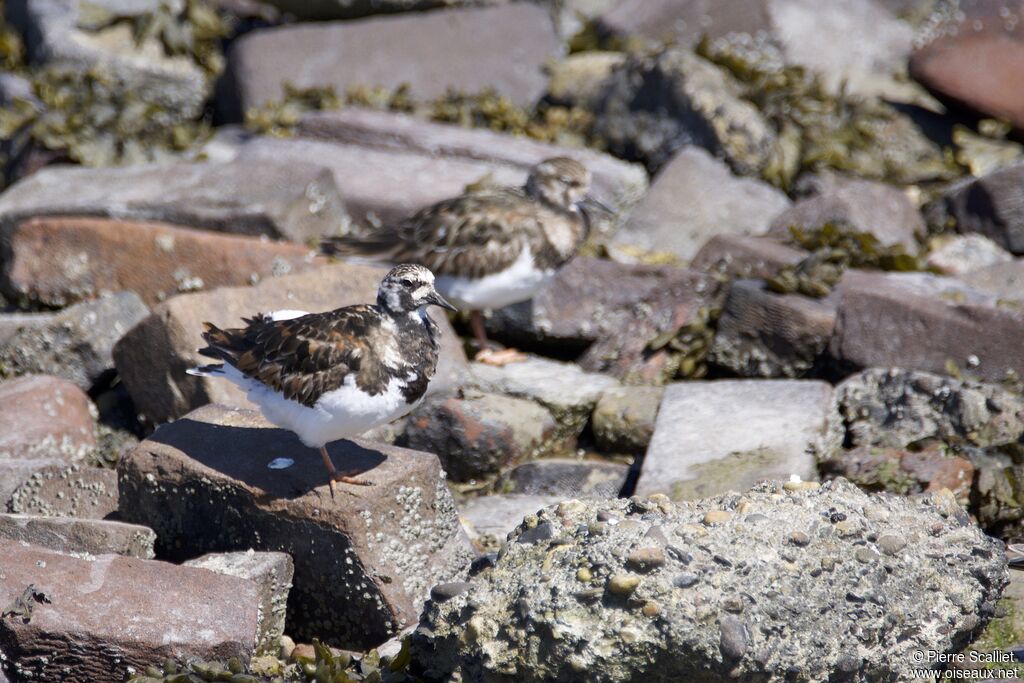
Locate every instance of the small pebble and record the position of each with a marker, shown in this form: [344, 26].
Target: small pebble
[584, 575]
[865, 555]
[799, 538]
[623, 584]
[446, 591]
[801, 485]
[645, 559]
[891, 545]
[684, 580]
[717, 517]
[651, 609]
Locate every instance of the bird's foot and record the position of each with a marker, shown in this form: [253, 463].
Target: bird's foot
[345, 478]
[500, 358]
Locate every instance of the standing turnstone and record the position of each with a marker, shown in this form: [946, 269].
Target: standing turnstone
[491, 248]
[327, 376]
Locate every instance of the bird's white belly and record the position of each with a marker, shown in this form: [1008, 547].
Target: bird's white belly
[343, 413]
[519, 282]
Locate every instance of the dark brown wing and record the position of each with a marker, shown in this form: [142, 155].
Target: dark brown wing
[304, 357]
[467, 236]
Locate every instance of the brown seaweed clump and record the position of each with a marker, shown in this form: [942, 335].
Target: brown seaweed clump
[833, 251]
[819, 129]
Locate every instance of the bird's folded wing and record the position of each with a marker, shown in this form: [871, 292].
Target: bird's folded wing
[305, 357]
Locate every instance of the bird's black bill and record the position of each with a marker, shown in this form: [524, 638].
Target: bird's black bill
[438, 300]
[589, 201]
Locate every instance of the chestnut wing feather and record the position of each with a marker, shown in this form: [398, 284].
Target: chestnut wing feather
[305, 357]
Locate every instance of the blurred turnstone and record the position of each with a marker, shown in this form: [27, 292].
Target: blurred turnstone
[327, 376]
[491, 248]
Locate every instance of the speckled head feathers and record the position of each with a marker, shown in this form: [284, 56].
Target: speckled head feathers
[408, 287]
[560, 180]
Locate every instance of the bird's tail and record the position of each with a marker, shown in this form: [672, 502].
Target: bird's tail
[379, 246]
[221, 345]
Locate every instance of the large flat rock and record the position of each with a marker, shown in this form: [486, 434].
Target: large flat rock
[925, 322]
[502, 47]
[694, 198]
[725, 435]
[579, 311]
[371, 153]
[109, 616]
[154, 355]
[57, 261]
[297, 200]
[616, 183]
[364, 560]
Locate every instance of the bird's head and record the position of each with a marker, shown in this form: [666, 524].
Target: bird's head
[407, 288]
[560, 181]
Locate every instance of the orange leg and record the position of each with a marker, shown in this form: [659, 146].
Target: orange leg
[486, 354]
[336, 476]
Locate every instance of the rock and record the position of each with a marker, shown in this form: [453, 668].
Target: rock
[903, 472]
[297, 201]
[488, 519]
[764, 334]
[11, 323]
[321, 10]
[77, 343]
[67, 491]
[802, 32]
[580, 80]
[713, 437]
[153, 357]
[567, 478]
[272, 574]
[1004, 280]
[963, 254]
[370, 152]
[925, 322]
[991, 206]
[60, 261]
[107, 617]
[363, 560]
[15, 472]
[45, 417]
[853, 205]
[897, 408]
[623, 419]
[657, 104]
[577, 309]
[693, 198]
[480, 433]
[761, 609]
[468, 50]
[970, 53]
[563, 388]
[79, 536]
[737, 256]
[54, 35]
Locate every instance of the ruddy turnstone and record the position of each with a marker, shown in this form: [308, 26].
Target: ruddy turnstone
[327, 376]
[494, 247]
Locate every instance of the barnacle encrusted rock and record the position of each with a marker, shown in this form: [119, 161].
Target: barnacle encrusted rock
[798, 583]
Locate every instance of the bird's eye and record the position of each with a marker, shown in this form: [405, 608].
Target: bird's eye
[405, 282]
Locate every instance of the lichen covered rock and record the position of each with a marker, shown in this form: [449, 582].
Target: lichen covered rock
[782, 583]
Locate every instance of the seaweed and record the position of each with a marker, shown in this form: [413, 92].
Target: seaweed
[92, 120]
[820, 129]
[834, 249]
[483, 109]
